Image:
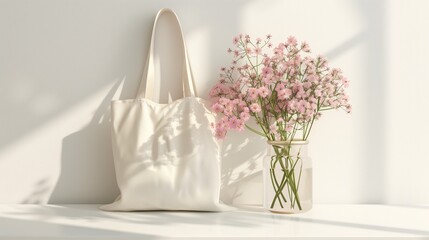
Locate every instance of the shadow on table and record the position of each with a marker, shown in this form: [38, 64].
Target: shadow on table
[412, 206]
[51, 230]
[416, 232]
[243, 219]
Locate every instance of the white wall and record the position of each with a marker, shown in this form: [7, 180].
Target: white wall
[61, 62]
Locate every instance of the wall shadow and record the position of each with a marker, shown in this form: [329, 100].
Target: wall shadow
[87, 170]
[373, 185]
[241, 168]
[41, 190]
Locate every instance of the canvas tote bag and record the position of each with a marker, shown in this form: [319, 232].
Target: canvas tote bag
[166, 156]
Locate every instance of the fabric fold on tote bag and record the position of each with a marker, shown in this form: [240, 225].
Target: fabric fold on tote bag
[166, 156]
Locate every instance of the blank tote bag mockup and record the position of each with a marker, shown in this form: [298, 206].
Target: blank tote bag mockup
[166, 156]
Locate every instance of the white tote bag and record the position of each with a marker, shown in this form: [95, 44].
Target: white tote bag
[166, 156]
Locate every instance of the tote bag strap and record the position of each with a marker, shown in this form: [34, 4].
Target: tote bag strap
[146, 88]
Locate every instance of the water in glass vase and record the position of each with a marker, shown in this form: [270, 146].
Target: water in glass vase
[288, 177]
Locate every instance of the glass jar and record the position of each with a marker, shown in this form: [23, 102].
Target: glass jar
[288, 177]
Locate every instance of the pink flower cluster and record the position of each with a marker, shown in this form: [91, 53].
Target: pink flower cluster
[285, 92]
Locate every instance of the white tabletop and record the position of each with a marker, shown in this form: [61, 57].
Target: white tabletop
[87, 222]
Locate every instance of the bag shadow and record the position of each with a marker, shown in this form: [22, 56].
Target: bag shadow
[87, 173]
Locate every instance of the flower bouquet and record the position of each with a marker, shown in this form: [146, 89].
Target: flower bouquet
[284, 90]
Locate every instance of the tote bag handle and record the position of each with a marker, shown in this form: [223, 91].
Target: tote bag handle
[146, 88]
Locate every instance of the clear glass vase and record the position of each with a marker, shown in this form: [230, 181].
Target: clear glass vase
[288, 177]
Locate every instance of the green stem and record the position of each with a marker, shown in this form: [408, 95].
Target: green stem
[293, 185]
[278, 191]
[254, 130]
[275, 178]
[288, 180]
[307, 133]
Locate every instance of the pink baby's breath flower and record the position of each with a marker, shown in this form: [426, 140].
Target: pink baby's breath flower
[228, 110]
[345, 99]
[266, 61]
[267, 71]
[279, 50]
[349, 108]
[289, 127]
[293, 105]
[235, 40]
[258, 51]
[242, 104]
[292, 41]
[297, 87]
[323, 62]
[245, 116]
[297, 60]
[335, 72]
[240, 125]
[284, 93]
[302, 106]
[233, 122]
[255, 108]
[223, 101]
[220, 133]
[345, 81]
[267, 80]
[302, 94]
[217, 108]
[214, 92]
[313, 78]
[280, 87]
[305, 47]
[248, 51]
[269, 36]
[263, 92]
[253, 93]
[220, 129]
[317, 93]
[330, 88]
[306, 85]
